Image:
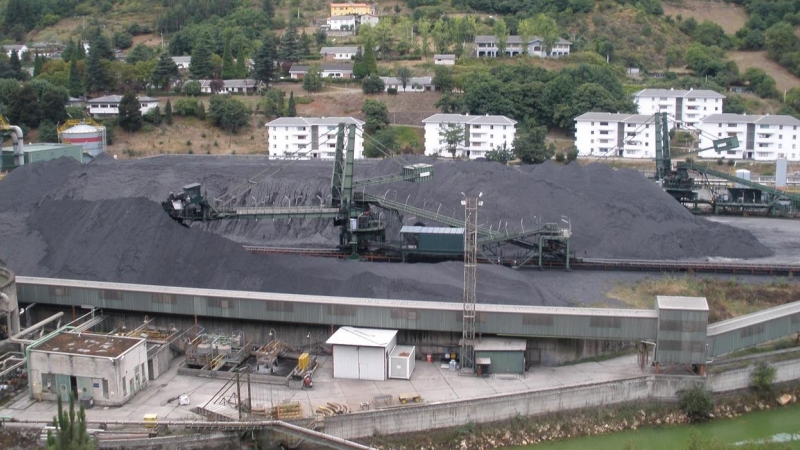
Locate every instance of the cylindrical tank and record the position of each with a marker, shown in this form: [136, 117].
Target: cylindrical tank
[92, 138]
[9, 308]
[204, 349]
[224, 349]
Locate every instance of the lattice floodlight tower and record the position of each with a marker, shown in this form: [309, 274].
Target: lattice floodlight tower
[471, 205]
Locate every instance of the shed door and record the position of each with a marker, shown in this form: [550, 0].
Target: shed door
[372, 363]
[345, 362]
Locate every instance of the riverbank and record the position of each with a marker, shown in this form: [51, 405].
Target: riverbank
[523, 431]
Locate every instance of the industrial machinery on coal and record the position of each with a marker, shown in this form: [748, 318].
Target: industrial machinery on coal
[362, 231]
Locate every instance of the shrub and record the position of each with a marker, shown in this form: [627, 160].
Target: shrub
[191, 88]
[561, 157]
[762, 377]
[391, 91]
[696, 403]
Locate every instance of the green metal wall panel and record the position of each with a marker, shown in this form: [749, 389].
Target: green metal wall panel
[681, 337]
[441, 243]
[752, 335]
[504, 361]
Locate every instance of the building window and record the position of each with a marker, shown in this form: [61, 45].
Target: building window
[110, 294]
[169, 299]
[60, 291]
[216, 302]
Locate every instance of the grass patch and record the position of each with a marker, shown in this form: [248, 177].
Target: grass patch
[726, 298]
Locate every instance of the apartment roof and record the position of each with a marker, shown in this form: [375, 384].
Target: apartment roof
[325, 50]
[422, 81]
[309, 121]
[614, 117]
[467, 119]
[514, 39]
[118, 98]
[323, 67]
[730, 118]
[778, 120]
[345, 17]
[702, 93]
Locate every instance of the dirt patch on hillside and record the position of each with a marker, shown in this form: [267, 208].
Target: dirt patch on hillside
[783, 78]
[730, 17]
[404, 109]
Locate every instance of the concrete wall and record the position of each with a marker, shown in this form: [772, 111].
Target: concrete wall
[9, 311]
[453, 414]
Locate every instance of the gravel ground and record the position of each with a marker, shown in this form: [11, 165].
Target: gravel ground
[102, 222]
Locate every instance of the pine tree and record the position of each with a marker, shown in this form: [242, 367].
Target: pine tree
[164, 71]
[168, 113]
[201, 111]
[241, 63]
[96, 77]
[200, 65]
[291, 111]
[25, 107]
[16, 66]
[305, 43]
[228, 67]
[289, 49]
[53, 105]
[130, 114]
[359, 69]
[102, 46]
[70, 429]
[74, 83]
[38, 62]
[370, 62]
[264, 59]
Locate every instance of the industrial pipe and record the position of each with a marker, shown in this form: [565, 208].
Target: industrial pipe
[17, 338]
[16, 138]
[4, 299]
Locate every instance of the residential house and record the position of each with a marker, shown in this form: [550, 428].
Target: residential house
[683, 108]
[20, 49]
[762, 138]
[46, 49]
[613, 134]
[182, 62]
[104, 107]
[444, 60]
[481, 134]
[310, 137]
[413, 84]
[326, 71]
[368, 19]
[344, 9]
[339, 23]
[241, 86]
[487, 46]
[338, 53]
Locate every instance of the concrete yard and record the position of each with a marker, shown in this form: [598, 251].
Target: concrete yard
[429, 380]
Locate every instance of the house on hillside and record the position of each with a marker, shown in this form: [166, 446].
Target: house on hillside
[344, 9]
[481, 134]
[20, 49]
[182, 62]
[339, 23]
[368, 19]
[615, 135]
[297, 72]
[310, 137]
[241, 86]
[486, 46]
[762, 138]
[338, 53]
[414, 84]
[108, 106]
[444, 60]
[685, 109]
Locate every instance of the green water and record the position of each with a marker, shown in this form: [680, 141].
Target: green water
[777, 424]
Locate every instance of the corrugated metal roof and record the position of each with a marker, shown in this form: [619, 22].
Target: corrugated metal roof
[752, 319]
[701, 93]
[730, 118]
[617, 117]
[480, 120]
[500, 344]
[38, 147]
[308, 121]
[325, 50]
[682, 303]
[430, 230]
[778, 120]
[362, 337]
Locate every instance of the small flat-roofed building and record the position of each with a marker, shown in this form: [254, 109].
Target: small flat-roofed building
[362, 353]
[499, 355]
[444, 60]
[339, 53]
[108, 106]
[105, 370]
[682, 328]
[433, 240]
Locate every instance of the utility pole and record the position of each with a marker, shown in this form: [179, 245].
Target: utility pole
[471, 205]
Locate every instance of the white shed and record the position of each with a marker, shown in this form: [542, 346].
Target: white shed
[361, 353]
[401, 362]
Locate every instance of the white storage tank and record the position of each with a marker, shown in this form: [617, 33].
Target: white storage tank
[90, 136]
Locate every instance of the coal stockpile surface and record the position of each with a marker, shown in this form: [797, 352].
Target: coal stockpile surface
[102, 222]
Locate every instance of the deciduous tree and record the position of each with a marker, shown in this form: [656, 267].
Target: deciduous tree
[453, 135]
[376, 115]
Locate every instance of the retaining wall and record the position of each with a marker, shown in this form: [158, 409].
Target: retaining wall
[503, 407]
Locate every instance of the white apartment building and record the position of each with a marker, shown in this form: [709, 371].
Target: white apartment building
[487, 46]
[762, 138]
[617, 135]
[481, 134]
[310, 137]
[685, 108]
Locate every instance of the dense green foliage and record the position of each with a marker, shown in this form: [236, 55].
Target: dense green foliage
[762, 377]
[130, 114]
[696, 403]
[70, 428]
[376, 115]
[228, 113]
[771, 25]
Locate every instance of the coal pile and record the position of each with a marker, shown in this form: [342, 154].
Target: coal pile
[102, 222]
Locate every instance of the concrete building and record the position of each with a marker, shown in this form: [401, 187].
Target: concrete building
[613, 134]
[368, 19]
[413, 84]
[106, 370]
[486, 46]
[682, 330]
[362, 353]
[108, 106]
[297, 72]
[338, 53]
[481, 134]
[341, 9]
[685, 108]
[310, 137]
[343, 23]
[762, 138]
[444, 60]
